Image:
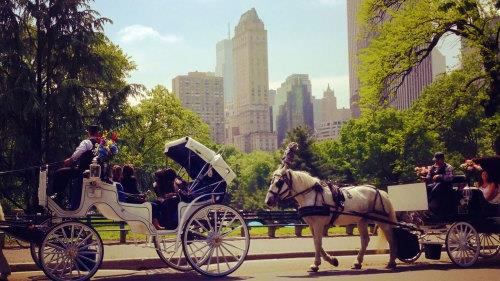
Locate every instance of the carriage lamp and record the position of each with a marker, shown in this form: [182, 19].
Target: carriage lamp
[95, 170]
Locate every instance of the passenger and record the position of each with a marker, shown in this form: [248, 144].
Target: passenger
[75, 165]
[116, 176]
[165, 205]
[489, 168]
[439, 179]
[130, 186]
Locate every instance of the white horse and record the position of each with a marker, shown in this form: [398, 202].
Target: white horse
[365, 199]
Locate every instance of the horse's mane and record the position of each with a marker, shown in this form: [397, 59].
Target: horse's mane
[307, 178]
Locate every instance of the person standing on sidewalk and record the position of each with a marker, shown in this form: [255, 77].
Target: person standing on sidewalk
[4, 265]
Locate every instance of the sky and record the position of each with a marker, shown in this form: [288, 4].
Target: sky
[166, 38]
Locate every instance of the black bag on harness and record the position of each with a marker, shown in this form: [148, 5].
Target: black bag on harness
[407, 243]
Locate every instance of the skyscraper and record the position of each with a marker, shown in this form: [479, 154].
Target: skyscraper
[328, 118]
[355, 44]
[420, 77]
[202, 92]
[224, 67]
[297, 110]
[250, 128]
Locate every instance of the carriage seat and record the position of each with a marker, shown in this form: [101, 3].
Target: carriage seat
[477, 205]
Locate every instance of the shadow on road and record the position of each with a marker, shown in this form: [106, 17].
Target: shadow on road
[148, 275]
[401, 268]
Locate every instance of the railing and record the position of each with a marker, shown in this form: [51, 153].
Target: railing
[272, 220]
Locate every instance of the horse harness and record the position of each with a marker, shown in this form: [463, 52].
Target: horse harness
[324, 209]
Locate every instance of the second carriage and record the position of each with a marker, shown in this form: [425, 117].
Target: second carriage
[210, 237]
[471, 231]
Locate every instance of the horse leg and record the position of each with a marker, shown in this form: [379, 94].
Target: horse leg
[317, 247]
[387, 229]
[365, 238]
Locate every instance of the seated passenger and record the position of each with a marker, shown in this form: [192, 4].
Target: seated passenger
[116, 175]
[130, 186]
[165, 205]
[489, 169]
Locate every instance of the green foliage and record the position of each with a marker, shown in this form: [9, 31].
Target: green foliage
[58, 72]
[404, 33]
[449, 110]
[253, 170]
[156, 120]
[305, 158]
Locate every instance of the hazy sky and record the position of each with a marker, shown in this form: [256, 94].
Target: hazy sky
[166, 38]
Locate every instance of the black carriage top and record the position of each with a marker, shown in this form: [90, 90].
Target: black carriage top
[210, 173]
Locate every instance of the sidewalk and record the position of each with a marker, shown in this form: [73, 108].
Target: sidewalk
[135, 257]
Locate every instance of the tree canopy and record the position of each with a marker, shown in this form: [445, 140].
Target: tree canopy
[158, 118]
[58, 73]
[404, 32]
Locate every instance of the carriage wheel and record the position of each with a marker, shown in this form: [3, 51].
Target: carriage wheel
[35, 251]
[215, 240]
[413, 259]
[462, 244]
[490, 245]
[165, 247]
[71, 251]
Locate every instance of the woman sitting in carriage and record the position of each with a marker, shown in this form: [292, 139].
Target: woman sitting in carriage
[168, 187]
[488, 171]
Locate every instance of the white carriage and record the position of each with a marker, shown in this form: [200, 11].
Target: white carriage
[211, 238]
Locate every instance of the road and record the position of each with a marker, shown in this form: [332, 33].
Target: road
[296, 269]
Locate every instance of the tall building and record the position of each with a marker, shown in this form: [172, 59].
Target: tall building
[418, 79]
[328, 118]
[297, 110]
[224, 67]
[251, 125]
[355, 44]
[414, 83]
[202, 92]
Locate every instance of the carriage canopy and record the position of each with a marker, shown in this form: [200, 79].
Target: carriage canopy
[196, 159]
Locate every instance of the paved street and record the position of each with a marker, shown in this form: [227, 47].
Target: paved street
[296, 269]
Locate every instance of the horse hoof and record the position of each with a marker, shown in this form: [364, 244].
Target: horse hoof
[313, 268]
[335, 262]
[356, 266]
[391, 265]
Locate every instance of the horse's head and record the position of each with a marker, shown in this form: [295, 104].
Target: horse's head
[280, 187]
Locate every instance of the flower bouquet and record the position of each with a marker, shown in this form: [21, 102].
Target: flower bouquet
[106, 146]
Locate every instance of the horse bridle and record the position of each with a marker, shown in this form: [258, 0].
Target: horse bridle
[285, 178]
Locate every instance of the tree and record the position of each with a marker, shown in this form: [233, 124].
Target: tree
[58, 72]
[448, 110]
[404, 33]
[157, 119]
[372, 145]
[253, 171]
[305, 158]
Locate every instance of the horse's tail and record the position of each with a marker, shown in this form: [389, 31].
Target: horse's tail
[391, 216]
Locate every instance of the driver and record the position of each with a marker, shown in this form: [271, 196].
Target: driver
[439, 186]
[75, 165]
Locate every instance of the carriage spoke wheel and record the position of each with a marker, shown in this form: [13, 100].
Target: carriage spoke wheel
[490, 245]
[71, 251]
[462, 244]
[215, 240]
[170, 252]
[34, 252]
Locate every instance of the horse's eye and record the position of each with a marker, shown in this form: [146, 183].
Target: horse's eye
[279, 183]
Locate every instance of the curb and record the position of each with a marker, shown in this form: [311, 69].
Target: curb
[155, 263]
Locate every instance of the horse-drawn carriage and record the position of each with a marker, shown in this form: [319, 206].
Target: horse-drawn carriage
[471, 231]
[210, 237]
